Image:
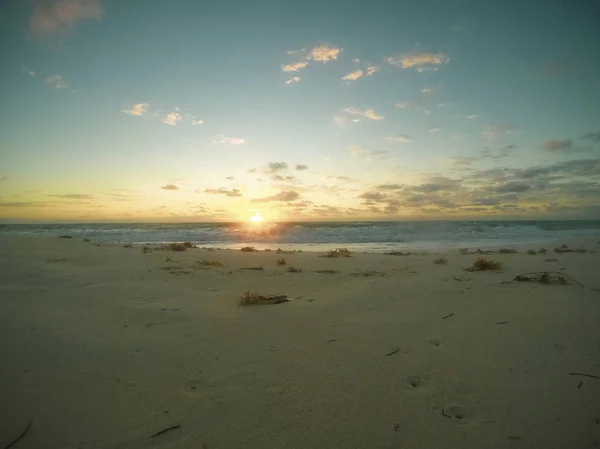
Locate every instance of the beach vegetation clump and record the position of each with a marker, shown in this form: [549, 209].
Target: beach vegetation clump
[397, 253]
[211, 263]
[507, 251]
[294, 270]
[531, 252]
[281, 261]
[249, 298]
[177, 247]
[441, 261]
[336, 253]
[248, 249]
[481, 264]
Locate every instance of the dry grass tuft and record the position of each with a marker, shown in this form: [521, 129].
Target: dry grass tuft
[281, 261]
[128, 245]
[463, 251]
[65, 236]
[440, 261]
[189, 245]
[86, 240]
[397, 253]
[211, 263]
[179, 247]
[249, 249]
[146, 249]
[286, 251]
[294, 270]
[531, 252]
[507, 251]
[249, 298]
[339, 252]
[481, 264]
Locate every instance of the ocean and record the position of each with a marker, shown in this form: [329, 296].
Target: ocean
[316, 236]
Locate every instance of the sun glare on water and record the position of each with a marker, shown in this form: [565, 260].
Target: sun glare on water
[256, 218]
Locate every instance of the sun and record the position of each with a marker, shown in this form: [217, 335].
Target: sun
[256, 218]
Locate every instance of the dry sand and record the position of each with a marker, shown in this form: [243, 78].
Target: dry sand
[103, 346]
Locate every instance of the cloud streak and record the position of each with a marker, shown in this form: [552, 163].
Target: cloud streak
[419, 61]
[57, 81]
[554, 145]
[137, 110]
[284, 196]
[50, 18]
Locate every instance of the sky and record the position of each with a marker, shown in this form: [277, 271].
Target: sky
[155, 110]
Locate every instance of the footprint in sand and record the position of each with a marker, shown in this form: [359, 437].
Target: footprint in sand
[456, 412]
[413, 381]
[436, 342]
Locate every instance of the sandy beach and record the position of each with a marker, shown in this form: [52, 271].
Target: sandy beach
[104, 346]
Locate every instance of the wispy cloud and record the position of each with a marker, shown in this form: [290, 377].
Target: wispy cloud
[435, 129]
[301, 167]
[472, 116]
[57, 81]
[293, 80]
[594, 137]
[170, 187]
[367, 154]
[368, 113]
[420, 61]
[494, 131]
[284, 196]
[232, 140]
[324, 53]
[28, 71]
[137, 109]
[340, 120]
[224, 191]
[427, 90]
[197, 122]
[274, 167]
[58, 16]
[75, 196]
[294, 67]
[409, 104]
[404, 138]
[295, 52]
[359, 73]
[353, 76]
[554, 144]
[372, 69]
[172, 118]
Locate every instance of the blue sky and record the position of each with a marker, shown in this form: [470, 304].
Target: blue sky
[182, 111]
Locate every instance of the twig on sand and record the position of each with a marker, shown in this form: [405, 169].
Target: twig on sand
[20, 437]
[392, 352]
[502, 322]
[580, 384]
[585, 375]
[165, 430]
[448, 316]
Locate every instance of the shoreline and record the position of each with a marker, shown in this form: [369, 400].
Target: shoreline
[589, 243]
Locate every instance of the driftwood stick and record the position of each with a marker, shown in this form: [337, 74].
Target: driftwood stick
[392, 352]
[20, 437]
[585, 375]
[165, 430]
[448, 316]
